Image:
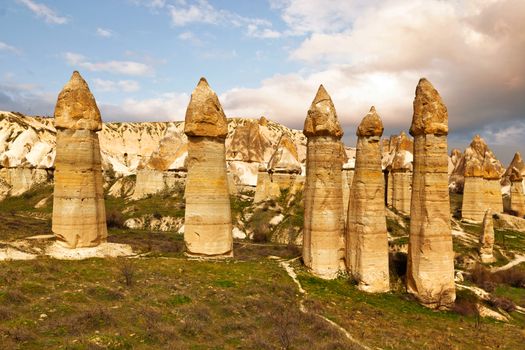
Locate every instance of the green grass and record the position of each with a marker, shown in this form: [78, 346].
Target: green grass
[27, 201]
[396, 321]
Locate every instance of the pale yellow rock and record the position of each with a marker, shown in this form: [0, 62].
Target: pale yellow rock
[430, 274]
[402, 190]
[208, 222]
[265, 189]
[402, 174]
[248, 143]
[390, 189]
[76, 107]
[79, 214]
[366, 233]
[517, 197]
[149, 181]
[348, 177]
[486, 239]
[204, 115]
[482, 189]
[323, 241]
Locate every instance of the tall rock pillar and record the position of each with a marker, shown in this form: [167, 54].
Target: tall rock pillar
[366, 233]
[517, 198]
[430, 275]
[486, 239]
[79, 214]
[323, 217]
[208, 223]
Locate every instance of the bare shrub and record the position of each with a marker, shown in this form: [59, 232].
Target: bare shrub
[261, 233]
[488, 280]
[127, 271]
[502, 303]
[114, 219]
[466, 304]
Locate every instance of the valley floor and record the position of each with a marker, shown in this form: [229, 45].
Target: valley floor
[162, 300]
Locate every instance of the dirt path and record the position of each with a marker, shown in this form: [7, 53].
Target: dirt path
[291, 272]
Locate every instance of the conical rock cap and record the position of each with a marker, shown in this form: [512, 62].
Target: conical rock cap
[76, 107]
[430, 113]
[204, 115]
[371, 125]
[321, 119]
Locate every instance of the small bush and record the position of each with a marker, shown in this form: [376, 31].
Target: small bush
[261, 233]
[114, 219]
[502, 303]
[488, 280]
[127, 270]
[465, 304]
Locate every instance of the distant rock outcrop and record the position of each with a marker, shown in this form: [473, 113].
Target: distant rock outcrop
[486, 239]
[323, 241]
[79, 214]
[482, 189]
[401, 170]
[366, 234]
[208, 221]
[430, 274]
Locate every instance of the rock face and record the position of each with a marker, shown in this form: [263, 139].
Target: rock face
[430, 275]
[208, 223]
[79, 215]
[366, 234]
[402, 174]
[516, 163]
[323, 217]
[486, 239]
[482, 189]
[517, 197]
[348, 178]
[165, 167]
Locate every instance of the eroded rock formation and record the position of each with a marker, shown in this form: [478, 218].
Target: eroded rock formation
[208, 223]
[482, 189]
[366, 234]
[323, 218]
[402, 174]
[486, 239]
[517, 197]
[430, 275]
[79, 215]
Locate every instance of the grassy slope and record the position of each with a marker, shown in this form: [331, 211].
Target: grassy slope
[247, 303]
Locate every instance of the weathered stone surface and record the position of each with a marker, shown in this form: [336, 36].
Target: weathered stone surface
[208, 222]
[79, 214]
[402, 191]
[348, 178]
[265, 189]
[76, 108]
[430, 275]
[366, 234]
[482, 188]
[517, 197]
[285, 158]
[204, 115]
[486, 239]
[323, 218]
[401, 170]
[322, 117]
[516, 163]
[431, 112]
[390, 189]
[249, 144]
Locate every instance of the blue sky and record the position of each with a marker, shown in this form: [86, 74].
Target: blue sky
[142, 59]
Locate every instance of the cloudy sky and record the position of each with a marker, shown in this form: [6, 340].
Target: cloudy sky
[142, 59]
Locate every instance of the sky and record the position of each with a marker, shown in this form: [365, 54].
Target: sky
[143, 58]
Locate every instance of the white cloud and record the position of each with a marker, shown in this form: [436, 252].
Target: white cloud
[165, 107]
[183, 13]
[118, 67]
[120, 85]
[9, 48]
[105, 33]
[44, 12]
[201, 12]
[190, 37]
